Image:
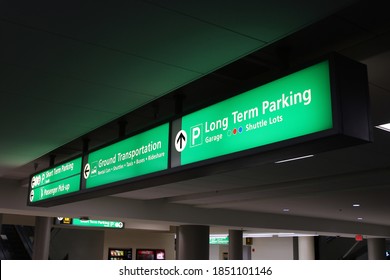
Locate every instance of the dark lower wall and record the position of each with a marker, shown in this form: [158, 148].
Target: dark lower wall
[335, 248]
[76, 244]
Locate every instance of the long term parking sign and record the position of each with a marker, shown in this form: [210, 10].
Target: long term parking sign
[293, 106]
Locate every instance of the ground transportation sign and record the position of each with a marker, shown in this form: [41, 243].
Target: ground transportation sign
[135, 156]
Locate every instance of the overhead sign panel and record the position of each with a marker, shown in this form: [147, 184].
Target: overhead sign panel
[119, 163]
[89, 223]
[219, 240]
[57, 181]
[293, 106]
[139, 155]
[97, 223]
[316, 109]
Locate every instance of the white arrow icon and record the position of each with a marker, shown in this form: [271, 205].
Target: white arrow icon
[180, 141]
[87, 170]
[31, 195]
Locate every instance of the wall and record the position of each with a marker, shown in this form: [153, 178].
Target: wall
[138, 239]
[335, 248]
[217, 251]
[11, 219]
[76, 244]
[262, 249]
[273, 248]
[214, 252]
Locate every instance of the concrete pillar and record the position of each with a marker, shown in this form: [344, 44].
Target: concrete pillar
[193, 242]
[177, 243]
[376, 248]
[1, 222]
[306, 247]
[235, 244]
[42, 238]
[295, 248]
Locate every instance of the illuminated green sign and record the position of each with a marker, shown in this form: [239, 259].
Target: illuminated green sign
[219, 240]
[88, 223]
[319, 108]
[295, 105]
[57, 181]
[96, 223]
[139, 155]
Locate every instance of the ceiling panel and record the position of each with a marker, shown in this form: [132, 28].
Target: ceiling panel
[70, 59]
[36, 122]
[380, 100]
[47, 115]
[188, 187]
[376, 22]
[139, 29]
[316, 166]
[68, 91]
[246, 182]
[336, 205]
[160, 191]
[380, 148]
[378, 74]
[264, 20]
